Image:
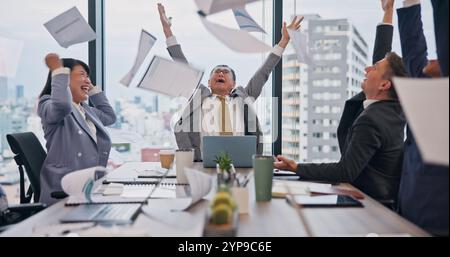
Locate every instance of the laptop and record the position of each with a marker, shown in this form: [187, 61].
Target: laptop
[240, 148]
[103, 213]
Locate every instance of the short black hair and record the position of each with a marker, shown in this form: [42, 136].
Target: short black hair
[224, 66]
[396, 69]
[68, 63]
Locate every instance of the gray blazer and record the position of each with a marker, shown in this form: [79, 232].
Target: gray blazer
[187, 129]
[70, 143]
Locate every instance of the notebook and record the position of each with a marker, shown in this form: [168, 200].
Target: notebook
[143, 181]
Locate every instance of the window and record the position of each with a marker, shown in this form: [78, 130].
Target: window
[22, 27]
[146, 119]
[340, 45]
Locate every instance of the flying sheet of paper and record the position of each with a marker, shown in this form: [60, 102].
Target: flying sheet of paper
[74, 182]
[146, 43]
[426, 106]
[300, 43]
[246, 22]
[171, 78]
[236, 40]
[214, 6]
[10, 51]
[70, 28]
[200, 184]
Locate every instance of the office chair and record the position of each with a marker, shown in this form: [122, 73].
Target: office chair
[31, 155]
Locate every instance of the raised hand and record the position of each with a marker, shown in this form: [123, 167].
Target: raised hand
[165, 22]
[387, 4]
[295, 25]
[53, 62]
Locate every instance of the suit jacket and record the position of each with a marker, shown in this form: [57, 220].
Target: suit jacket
[423, 194]
[70, 143]
[187, 129]
[354, 106]
[373, 155]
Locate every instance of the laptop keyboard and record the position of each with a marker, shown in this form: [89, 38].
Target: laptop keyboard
[116, 212]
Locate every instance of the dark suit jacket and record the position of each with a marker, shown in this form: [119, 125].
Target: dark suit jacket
[423, 194]
[373, 155]
[354, 106]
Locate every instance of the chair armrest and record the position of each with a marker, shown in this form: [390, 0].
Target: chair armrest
[58, 195]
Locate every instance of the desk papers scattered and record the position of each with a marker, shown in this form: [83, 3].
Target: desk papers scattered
[10, 51]
[171, 78]
[246, 22]
[236, 40]
[79, 183]
[70, 28]
[296, 188]
[426, 106]
[209, 7]
[200, 185]
[146, 43]
[300, 43]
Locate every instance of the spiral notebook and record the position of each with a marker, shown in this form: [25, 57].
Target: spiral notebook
[143, 181]
[135, 193]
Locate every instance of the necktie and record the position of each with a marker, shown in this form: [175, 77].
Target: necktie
[225, 124]
[89, 123]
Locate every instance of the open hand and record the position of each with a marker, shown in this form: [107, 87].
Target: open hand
[165, 22]
[295, 25]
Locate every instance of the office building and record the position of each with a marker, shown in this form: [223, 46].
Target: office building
[19, 92]
[3, 89]
[314, 93]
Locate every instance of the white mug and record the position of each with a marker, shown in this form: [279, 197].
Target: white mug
[184, 158]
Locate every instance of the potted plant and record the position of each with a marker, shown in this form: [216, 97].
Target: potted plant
[226, 174]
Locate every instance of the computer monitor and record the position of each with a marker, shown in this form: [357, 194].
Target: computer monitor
[240, 149]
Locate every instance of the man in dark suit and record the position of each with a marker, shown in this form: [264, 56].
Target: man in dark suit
[372, 149]
[383, 45]
[423, 195]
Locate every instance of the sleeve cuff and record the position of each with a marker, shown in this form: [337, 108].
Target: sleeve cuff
[171, 41]
[385, 24]
[409, 3]
[95, 90]
[278, 50]
[62, 70]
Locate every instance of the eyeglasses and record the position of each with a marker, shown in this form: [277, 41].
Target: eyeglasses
[222, 70]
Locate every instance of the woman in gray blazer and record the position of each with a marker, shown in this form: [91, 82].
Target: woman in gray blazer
[74, 131]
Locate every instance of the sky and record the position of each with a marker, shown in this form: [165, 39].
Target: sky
[23, 20]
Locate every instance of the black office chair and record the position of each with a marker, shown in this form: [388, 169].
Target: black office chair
[31, 155]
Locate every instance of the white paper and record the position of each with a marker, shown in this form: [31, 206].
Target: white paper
[70, 28]
[146, 43]
[74, 182]
[236, 40]
[137, 191]
[165, 223]
[214, 6]
[200, 185]
[300, 43]
[426, 106]
[279, 187]
[246, 22]
[171, 78]
[10, 51]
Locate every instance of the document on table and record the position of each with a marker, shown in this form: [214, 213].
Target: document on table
[214, 6]
[146, 43]
[245, 21]
[236, 40]
[70, 28]
[426, 106]
[171, 78]
[10, 51]
[200, 185]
